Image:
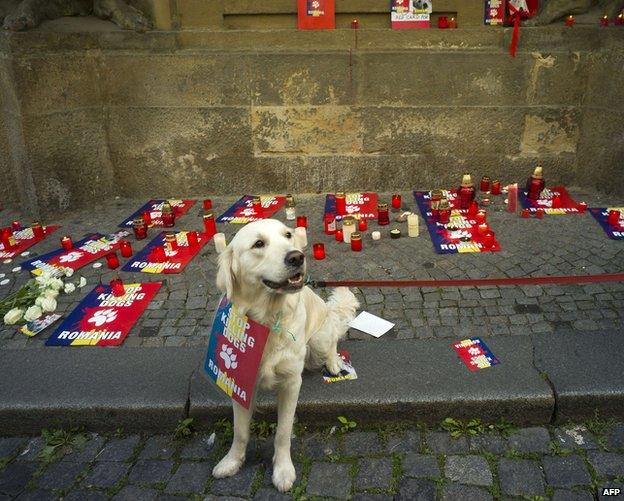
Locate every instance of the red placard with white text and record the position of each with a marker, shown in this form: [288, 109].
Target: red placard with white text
[358, 205]
[25, 239]
[567, 205]
[316, 15]
[154, 207]
[242, 212]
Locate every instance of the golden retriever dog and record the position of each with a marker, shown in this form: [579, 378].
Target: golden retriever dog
[262, 271]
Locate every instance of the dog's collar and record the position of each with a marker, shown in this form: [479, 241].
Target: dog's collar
[277, 327]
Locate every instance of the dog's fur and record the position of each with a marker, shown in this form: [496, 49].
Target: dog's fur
[253, 273]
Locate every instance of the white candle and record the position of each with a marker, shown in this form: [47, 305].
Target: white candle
[412, 225]
[301, 237]
[219, 241]
[376, 235]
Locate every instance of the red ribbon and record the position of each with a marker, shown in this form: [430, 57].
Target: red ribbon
[516, 15]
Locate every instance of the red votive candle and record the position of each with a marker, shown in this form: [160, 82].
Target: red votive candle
[16, 226]
[66, 243]
[525, 213]
[485, 184]
[37, 230]
[383, 218]
[452, 23]
[362, 225]
[539, 213]
[445, 216]
[355, 24]
[112, 261]
[488, 239]
[483, 229]
[207, 204]
[158, 254]
[481, 216]
[356, 242]
[140, 228]
[338, 236]
[619, 20]
[443, 22]
[396, 201]
[329, 224]
[496, 187]
[192, 238]
[473, 209]
[614, 217]
[7, 238]
[171, 242]
[117, 287]
[302, 222]
[257, 205]
[341, 203]
[556, 202]
[604, 21]
[210, 225]
[318, 250]
[125, 248]
[582, 207]
[147, 218]
[569, 22]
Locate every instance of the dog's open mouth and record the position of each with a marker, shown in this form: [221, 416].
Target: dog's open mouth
[292, 283]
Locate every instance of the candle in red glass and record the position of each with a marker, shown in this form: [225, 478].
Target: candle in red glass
[466, 192]
[168, 216]
[473, 209]
[445, 216]
[481, 216]
[257, 205]
[539, 213]
[302, 222]
[147, 218]
[362, 225]
[525, 213]
[171, 242]
[210, 225]
[570, 21]
[452, 23]
[556, 202]
[355, 24]
[158, 254]
[619, 21]
[112, 261]
[443, 22]
[319, 251]
[66, 243]
[488, 239]
[329, 224]
[192, 239]
[207, 204]
[37, 230]
[341, 203]
[338, 236]
[614, 217]
[356, 242]
[604, 21]
[383, 218]
[485, 184]
[396, 201]
[117, 287]
[16, 226]
[482, 229]
[582, 207]
[496, 187]
[125, 248]
[140, 228]
[7, 238]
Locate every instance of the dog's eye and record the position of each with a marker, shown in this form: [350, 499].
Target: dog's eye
[288, 234]
[258, 244]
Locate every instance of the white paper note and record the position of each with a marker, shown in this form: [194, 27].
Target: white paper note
[371, 324]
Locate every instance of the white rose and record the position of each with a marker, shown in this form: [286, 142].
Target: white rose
[32, 313]
[13, 316]
[69, 272]
[56, 283]
[48, 304]
[83, 282]
[51, 293]
[69, 288]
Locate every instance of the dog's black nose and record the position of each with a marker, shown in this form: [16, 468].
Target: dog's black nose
[294, 258]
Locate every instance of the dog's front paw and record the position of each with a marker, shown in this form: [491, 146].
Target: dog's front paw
[284, 475]
[334, 365]
[227, 467]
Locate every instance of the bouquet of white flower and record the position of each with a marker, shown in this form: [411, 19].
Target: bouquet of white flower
[38, 296]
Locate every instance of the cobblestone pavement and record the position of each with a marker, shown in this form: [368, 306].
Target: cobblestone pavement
[562, 245]
[401, 462]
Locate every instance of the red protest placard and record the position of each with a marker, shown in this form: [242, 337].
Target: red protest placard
[316, 15]
[24, 239]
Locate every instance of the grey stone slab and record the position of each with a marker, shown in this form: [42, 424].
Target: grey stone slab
[458, 492]
[436, 385]
[361, 443]
[568, 495]
[236, 485]
[119, 449]
[270, 494]
[37, 495]
[31, 450]
[88, 452]
[520, 477]
[420, 465]
[374, 473]
[329, 479]
[150, 471]
[157, 447]
[60, 475]
[199, 448]
[15, 477]
[607, 464]
[443, 442]
[473, 470]
[134, 493]
[189, 478]
[488, 442]
[585, 374]
[565, 471]
[534, 439]
[615, 437]
[60, 388]
[404, 442]
[86, 495]
[412, 489]
[11, 445]
[106, 474]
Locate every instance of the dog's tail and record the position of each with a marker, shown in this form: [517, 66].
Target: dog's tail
[342, 305]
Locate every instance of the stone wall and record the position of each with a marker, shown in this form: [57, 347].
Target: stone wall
[186, 113]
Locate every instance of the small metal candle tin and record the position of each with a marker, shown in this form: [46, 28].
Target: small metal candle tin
[395, 233]
[383, 218]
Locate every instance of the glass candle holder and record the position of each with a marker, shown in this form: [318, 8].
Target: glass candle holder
[539, 213]
[207, 204]
[348, 227]
[556, 202]
[582, 207]
[256, 203]
[168, 216]
[512, 197]
[396, 201]
[614, 217]
[604, 21]
[485, 184]
[473, 209]
[452, 24]
[329, 224]
[171, 242]
[341, 203]
[112, 261]
[356, 242]
[318, 250]
[445, 216]
[482, 229]
[210, 225]
[569, 22]
[147, 218]
[525, 213]
[496, 187]
[66, 243]
[140, 228]
[192, 238]
[383, 218]
[362, 225]
[302, 222]
[16, 225]
[125, 248]
[291, 211]
[117, 287]
[481, 216]
[443, 22]
[489, 240]
[338, 236]
[158, 254]
[37, 230]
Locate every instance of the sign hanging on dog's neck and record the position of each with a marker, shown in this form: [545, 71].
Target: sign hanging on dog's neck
[235, 351]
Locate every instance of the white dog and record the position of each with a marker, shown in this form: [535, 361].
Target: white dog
[262, 272]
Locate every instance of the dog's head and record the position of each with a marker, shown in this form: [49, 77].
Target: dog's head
[262, 257]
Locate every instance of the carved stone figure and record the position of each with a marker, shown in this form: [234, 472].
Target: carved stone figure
[24, 14]
[554, 10]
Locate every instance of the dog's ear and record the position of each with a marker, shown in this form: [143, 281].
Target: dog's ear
[226, 274]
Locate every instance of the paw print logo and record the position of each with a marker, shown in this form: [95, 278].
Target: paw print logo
[228, 357]
[70, 257]
[102, 317]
